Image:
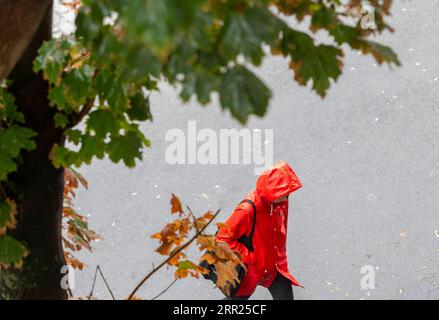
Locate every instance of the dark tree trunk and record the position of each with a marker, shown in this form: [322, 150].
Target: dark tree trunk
[37, 185]
[19, 20]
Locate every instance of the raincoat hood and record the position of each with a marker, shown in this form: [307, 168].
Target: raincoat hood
[276, 182]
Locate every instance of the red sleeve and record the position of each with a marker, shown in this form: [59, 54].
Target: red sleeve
[238, 224]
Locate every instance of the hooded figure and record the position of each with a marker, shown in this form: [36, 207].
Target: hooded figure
[268, 261]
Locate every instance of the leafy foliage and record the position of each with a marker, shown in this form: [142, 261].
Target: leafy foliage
[107, 70]
[77, 87]
[243, 93]
[79, 236]
[14, 137]
[109, 67]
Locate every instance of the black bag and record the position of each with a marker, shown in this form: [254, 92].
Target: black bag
[248, 242]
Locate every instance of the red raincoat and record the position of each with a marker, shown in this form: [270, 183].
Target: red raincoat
[269, 239]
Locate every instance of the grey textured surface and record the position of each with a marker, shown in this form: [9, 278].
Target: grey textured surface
[367, 156]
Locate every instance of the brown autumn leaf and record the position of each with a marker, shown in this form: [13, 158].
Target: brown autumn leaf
[175, 260]
[206, 242]
[168, 232]
[169, 237]
[157, 235]
[79, 178]
[194, 273]
[70, 182]
[164, 248]
[226, 275]
[208, 257]
[200, 269]
[73, 261]
[208, 215]
[69, 212]
[223, 252]
[200, 223]
[181, 273]
[69, 245]
[185, 226]
[179, 240]
[80, 235]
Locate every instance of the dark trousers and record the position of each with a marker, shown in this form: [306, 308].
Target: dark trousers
[280, 289]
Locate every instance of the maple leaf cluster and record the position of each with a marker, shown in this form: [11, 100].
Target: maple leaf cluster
[177, 236]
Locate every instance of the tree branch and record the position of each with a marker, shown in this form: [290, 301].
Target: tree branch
[199, 232]
[76, 118]
[105, 281]
[166, 289]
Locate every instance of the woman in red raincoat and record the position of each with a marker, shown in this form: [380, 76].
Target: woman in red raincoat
[267, 265]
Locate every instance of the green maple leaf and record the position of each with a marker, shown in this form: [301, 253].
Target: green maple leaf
[12, 140]
[245, 33]
[7, 165]
[12, 252]
[51, 58]
[140, 108]
[125, 147]
[310, 62]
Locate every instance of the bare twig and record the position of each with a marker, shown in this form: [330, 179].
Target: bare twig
[140, 284]
[166, 289]
[194, 219]
[93, 285]
[105, 281]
